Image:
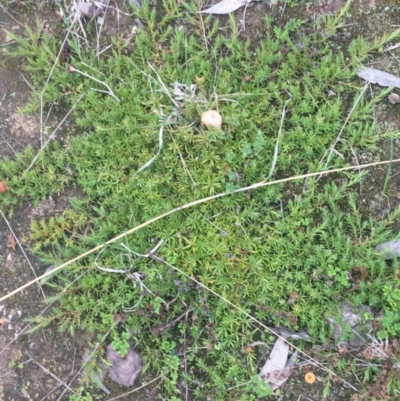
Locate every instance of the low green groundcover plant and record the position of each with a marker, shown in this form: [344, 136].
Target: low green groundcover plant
[285, 254]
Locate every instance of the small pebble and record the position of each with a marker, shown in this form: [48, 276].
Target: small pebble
[394, 98]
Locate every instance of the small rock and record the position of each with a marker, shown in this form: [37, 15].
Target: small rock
[136, 3]
[391, 248]
[353, 318]
[124, 370]
[87, 9]
[394, 98]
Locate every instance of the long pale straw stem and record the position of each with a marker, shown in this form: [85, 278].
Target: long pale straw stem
[190, 205]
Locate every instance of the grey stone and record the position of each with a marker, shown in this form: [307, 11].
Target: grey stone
[124, 370]
[352, 318]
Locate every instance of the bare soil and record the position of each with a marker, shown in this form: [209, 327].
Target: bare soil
[41, 365]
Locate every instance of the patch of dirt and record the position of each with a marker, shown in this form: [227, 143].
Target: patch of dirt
[23, 129]
[32, 366]
[43, 364]
[29, 363]
[17, 131]
[53, 206]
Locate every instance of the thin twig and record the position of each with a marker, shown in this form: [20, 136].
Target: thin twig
[389, 170]
[10, 15]
[48, 114]
[356, 159]
[17, 335]
[185, 360]
[22, 250]
[88, 359]
[5, 140]
[109, 91]
[137, 389]
[59, 384]
[97, 22]
[252, 318]
[106, 269]
[190, 205]
[137, 278]
[119, 11]
[244, 16]
[185, 167]
[105, 49]
[271, 171]
[150, 162]
[27, 82]
[51, 374]
[344, 125]
[161, 83]
[203, 31]
[283, 8]
[4, 96]
[51, 392]
[53, 133]
[56, 61]
[11, 371]
[222, 232]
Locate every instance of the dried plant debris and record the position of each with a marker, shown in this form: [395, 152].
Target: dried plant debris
[124, 370]
[379, 349]
[88, 9]
[286, 333]
[184, 92]
[12, 242]
[225, 7]
[379, 77]
[278, 367]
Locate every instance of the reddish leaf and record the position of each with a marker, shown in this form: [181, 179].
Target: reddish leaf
[12, 242]
[293, 297]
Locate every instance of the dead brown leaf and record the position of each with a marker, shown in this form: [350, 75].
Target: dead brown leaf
[12, 242]
[293, 297]
[278, 367]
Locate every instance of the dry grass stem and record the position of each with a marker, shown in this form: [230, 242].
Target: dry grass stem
[97, 346]
[22, 250]
[271, 171]
[27, 327]
[5, 140]
[344, 125]
[47, 81]
[54, 133]
[190, 205]
[253, 319]
[185, 167]
[10, 15]
[51, 374]
[137, 389]
[109, 91]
